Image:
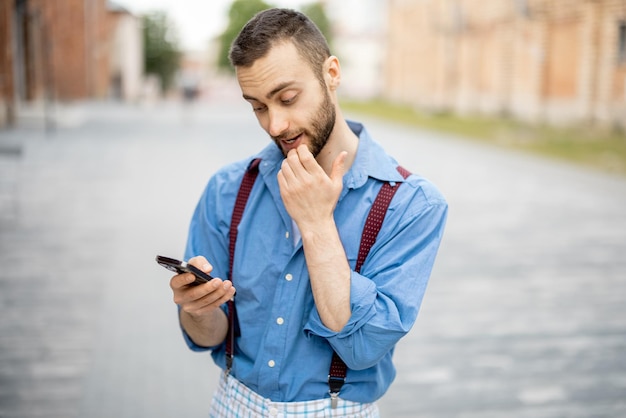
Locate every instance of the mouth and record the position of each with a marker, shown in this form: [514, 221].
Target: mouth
[290, 143]
[292, 140]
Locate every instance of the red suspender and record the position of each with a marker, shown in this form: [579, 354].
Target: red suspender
[240, 204]
[375, 217]
[373, 223]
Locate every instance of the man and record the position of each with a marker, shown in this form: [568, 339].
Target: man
[298, 295]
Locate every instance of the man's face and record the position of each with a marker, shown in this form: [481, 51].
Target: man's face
[288, 99]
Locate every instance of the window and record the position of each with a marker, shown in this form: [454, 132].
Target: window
[621, 43]
[521, 6]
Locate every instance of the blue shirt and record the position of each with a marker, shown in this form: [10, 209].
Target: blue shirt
[284, 350]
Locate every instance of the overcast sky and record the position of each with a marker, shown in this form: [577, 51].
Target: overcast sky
[197, 20]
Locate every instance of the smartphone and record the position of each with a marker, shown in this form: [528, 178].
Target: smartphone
[180, 267]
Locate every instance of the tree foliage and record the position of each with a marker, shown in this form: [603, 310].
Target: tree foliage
[243, 10]
[238, 15]
[316, 12]
[161, 47]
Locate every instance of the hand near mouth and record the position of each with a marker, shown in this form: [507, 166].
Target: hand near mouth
[309, 194]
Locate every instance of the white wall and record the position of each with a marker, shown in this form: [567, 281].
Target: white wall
[359, 35]
[127, 56]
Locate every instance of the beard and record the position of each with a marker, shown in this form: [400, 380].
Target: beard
[322, 125]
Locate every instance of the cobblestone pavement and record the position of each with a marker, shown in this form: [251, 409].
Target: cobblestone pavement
[525, 315]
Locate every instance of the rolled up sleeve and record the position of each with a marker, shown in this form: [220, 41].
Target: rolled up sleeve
[386, 298]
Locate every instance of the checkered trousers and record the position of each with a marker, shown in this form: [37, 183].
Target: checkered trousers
[234, 400]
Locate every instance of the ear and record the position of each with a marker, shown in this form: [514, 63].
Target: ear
[332, 72]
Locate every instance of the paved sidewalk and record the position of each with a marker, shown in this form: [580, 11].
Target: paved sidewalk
[525, 315]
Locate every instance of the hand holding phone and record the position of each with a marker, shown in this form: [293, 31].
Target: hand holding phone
[181, 267]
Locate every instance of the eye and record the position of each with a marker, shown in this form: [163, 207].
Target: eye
[289, 100]
[259, 109]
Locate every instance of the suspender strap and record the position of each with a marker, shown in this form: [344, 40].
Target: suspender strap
[240, 204]
[375, 218]
[373, 223]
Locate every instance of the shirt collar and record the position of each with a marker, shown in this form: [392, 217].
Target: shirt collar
[371, 161]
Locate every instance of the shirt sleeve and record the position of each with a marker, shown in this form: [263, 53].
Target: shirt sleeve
[386, 296]
[207, 236]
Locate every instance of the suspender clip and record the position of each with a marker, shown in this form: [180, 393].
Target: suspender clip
[335, 383]
[229, 364]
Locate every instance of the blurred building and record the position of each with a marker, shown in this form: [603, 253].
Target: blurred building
[64, 50]
[193, 74]
[126, 68]
[359, 41]
[556, 61]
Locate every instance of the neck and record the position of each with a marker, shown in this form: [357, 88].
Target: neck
[341, 139]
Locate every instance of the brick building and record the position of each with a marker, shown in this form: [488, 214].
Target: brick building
[556, 61]
[62, 50]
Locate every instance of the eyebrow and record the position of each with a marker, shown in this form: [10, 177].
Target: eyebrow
[272, 93]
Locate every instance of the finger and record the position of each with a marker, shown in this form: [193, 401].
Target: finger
[307, 160]
[181, 280]
[286, 172]
[213, 299]
[282, 183]
[186, 295]
[228, 292]
[336, 173]
[201, 263]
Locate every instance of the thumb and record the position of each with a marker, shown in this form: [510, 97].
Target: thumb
[336, 173]
[201, 263]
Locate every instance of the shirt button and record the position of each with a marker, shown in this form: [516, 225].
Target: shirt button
[287, 234]
[280, 321]
[273, 412]
[288, 277]
[271, 363]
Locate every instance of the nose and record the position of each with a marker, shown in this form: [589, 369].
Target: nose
[278, 122]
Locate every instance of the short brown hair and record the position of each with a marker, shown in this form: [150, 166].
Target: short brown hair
[270, 26]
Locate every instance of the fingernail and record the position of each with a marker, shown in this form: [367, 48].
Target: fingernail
[205, 267]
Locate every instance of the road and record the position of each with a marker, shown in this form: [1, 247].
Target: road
[525, 315]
